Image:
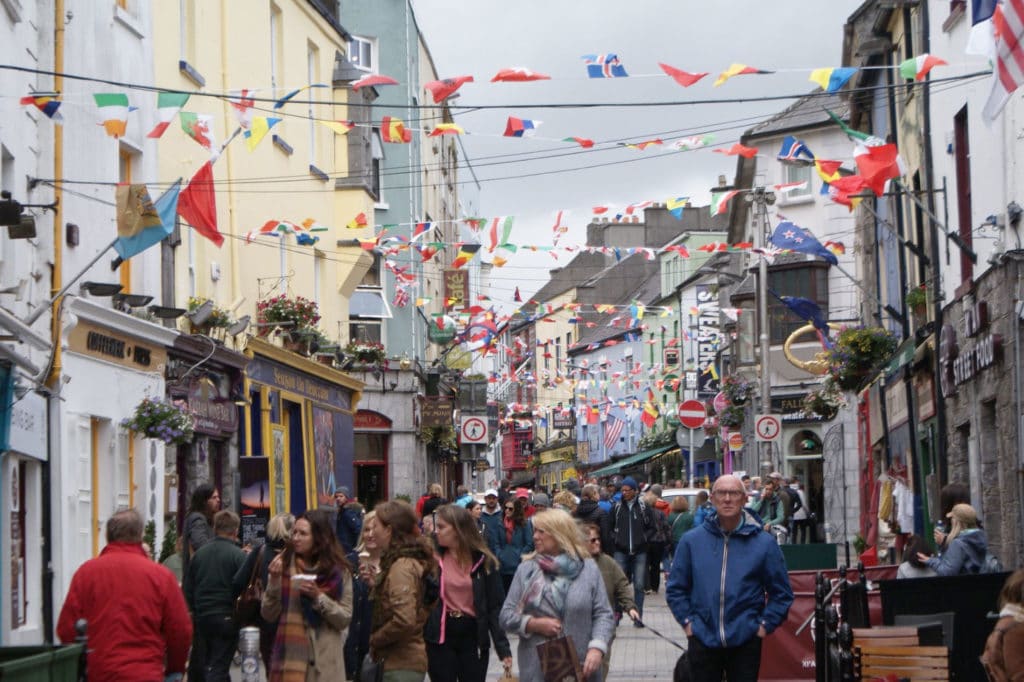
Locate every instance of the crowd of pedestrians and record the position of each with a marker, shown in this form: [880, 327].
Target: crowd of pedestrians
[401, 592]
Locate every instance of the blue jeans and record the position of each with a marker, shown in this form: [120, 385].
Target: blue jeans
[635, 568]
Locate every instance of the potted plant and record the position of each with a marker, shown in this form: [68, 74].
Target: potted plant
[825, 400]
[732, 416]
[217, 318]
[292, 314]
[365, 352]
[168, 421]
[917, 300]
[857, 352]
[737, 390]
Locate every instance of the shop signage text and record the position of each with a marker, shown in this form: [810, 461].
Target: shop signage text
[266, 372]
[110, 345]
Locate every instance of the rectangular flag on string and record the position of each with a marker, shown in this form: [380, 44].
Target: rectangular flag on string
[499, 233]
[982, 39]
[168, 104]
[131, 242]
[258, 129]
[114, 110]
[612, 431]
[197, 204]
[833, 79]
[466, 253]
[242, 103]
[48, 104]
[604, 66]
[1008, 20]
[790, 236]
[795, 152]
[199, 127]
[520, 127]
[393, 130]
[720, 201]
[809, 311]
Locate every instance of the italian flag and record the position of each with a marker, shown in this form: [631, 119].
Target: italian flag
[113, 112]
[720, 201]
[918, 67]
[168, 104]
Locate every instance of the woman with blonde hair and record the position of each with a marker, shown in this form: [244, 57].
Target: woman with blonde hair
[558, 591]
[465, 620]
[1004, 651]
[401, 604]
[966, 545]
[279, 532]
[306, 593]
[565, 500]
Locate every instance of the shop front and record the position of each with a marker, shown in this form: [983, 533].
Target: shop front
[113, 361]
[24, 456]
[297, 443]
[556, 465]
[207, 378]
[372, 449]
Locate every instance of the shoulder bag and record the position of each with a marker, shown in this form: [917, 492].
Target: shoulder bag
[247, 605]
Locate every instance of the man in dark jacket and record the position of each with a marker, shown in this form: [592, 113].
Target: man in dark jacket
[349, 521]
[153, 643]
[632, 524]
[728, 588]
[210, 595]
[493, 518]
[589, 511]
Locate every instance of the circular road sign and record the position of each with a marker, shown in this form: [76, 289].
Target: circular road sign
[767, 427]
[735, 441]
[474, 430]
[692, 414]
[719, 402]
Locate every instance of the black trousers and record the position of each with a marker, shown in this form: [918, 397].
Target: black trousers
[460, 658]
[738, 663]
[220, 638]
[655, 553]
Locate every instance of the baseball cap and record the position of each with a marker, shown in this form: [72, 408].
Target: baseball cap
[523, 493]
[490, 492]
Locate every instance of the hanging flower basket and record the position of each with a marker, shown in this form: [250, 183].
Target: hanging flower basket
[170, 422]
[365, 352]
[292, 313]
[826, 400]
[858, 353]
[737, 390]
[732, 416]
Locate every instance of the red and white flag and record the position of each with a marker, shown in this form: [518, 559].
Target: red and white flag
[612, 431]
[1008, 21]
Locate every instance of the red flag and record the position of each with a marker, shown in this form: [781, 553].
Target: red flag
[684, 78]
[197, 204]
[517, 297]
[877, 165]
[444, 89]
[745, 152]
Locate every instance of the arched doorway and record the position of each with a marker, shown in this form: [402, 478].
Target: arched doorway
[804, 460]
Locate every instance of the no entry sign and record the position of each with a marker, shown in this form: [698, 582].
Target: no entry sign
[692, 414]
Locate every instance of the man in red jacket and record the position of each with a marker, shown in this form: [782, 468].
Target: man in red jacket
[138, 625]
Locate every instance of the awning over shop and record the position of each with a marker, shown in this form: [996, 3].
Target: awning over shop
[638, 458]
[903, 355]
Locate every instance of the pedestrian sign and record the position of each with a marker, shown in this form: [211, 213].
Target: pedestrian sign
[767, 427]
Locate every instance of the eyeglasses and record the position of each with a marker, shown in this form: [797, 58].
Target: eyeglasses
[595, 541]
[509, 508]
[728, 493]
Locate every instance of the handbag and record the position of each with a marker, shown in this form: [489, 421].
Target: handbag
[370, 670]
[559, 661]
[247, 604]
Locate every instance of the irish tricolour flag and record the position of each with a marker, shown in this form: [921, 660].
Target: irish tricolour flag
[720, 201]
[918, 67]
[168, 104]
[113, 112]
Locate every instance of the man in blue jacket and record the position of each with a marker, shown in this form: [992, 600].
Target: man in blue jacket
[728, 588]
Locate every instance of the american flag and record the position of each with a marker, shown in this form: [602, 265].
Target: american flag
[1008, 21]
[612, 431]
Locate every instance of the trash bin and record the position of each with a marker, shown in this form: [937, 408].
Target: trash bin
[40, 663]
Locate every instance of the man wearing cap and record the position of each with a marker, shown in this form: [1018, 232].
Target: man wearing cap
[541, 501]
[349, 522]
[783, 492]
[632, 523]
[492, 517]
[728, 588]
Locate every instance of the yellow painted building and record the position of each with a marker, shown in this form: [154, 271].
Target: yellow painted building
[268, 49]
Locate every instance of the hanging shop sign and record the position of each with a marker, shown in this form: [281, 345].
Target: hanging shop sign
[28, 426]
[456, 288]
[708, 340]
[562, 418]
[263, 371]
[214, 414]
[436, 411]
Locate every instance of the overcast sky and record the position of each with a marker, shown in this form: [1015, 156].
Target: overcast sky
[532, 178]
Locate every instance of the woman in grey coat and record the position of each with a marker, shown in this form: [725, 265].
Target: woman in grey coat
[556, 591]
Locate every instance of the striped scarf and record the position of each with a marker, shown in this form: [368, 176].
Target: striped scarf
[293, 648]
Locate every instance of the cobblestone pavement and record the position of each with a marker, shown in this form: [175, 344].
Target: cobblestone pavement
[637, 653]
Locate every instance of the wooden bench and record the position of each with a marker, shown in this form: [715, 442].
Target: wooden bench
[884, 651]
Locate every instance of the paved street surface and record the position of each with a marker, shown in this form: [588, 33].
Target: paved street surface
[637, 653]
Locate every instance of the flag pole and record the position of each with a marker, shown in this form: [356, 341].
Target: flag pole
[761, 199]
[37, 313]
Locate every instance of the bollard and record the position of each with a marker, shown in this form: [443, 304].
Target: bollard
[249, 649]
